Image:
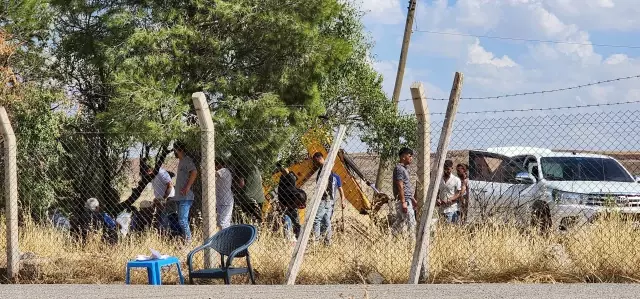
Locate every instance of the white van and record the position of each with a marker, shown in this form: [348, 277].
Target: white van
[548, 188]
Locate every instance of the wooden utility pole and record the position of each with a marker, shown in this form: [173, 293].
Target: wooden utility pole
[399, 75]
[403, 53]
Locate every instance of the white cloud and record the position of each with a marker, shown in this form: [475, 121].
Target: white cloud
[598, 14]
[478, 13]
[601, 92]
[632, 94]
[549, 23]
[606, 3]
[478, 55]
[389, 69]
[616, 59]
[386, 12]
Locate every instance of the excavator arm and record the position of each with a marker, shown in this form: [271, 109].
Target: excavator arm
[314, 141]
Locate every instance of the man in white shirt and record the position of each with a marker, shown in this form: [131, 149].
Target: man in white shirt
[450, 194]
[162, 186]
[224, 195]
[163, 192]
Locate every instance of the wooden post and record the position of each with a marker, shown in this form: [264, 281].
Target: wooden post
[424, 140]
[404, 53]
[10, 195]
[421, 252]
[408, 30]
[207, 169]
[301, 246]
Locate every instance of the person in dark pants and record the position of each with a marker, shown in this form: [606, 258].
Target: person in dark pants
[291, 198]
[249, 197]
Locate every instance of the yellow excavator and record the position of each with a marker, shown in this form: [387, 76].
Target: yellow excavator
[318, 140]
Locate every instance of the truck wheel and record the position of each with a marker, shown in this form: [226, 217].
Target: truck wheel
[541, 216]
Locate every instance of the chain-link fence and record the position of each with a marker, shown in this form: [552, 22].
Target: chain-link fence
[548, 198]
[540, 198]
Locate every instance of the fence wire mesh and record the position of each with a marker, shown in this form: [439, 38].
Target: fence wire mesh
[550, 197]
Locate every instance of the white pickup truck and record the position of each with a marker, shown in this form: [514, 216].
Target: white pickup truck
[548, 188]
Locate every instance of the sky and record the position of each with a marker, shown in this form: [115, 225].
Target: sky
[494, 66]
[497, 66]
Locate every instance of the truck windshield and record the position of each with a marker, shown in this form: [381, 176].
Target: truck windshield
[583, 169]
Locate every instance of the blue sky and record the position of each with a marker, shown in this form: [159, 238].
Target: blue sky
[495, 67]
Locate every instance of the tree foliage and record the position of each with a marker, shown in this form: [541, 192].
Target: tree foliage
[128, 69]
[353, 95]
[28, 101]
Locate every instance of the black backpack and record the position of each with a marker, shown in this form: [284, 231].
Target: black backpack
[289, 194]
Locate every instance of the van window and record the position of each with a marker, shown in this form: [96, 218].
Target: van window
[493, 168]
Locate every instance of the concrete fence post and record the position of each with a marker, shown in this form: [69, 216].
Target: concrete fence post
[10, 194]
[421, 251]
[419, 97]
[207, 169]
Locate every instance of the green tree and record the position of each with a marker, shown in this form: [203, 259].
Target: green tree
[86, 32]
[353, 95]
[25, 29]
[261, 63]
[37, 128]
[30, 101]
[266, 65]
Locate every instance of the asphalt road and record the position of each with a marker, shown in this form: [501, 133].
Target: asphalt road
[537, 291]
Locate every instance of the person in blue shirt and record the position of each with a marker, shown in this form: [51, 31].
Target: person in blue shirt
[322, 221]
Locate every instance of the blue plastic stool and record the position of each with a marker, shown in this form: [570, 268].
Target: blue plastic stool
[153, 269]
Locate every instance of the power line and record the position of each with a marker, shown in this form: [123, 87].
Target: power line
[527, 39]
[539, 92]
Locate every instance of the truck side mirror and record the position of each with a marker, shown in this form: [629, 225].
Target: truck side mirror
[638, 179]
[525, 178]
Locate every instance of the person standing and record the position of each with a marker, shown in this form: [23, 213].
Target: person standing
[450, 194]
[163, 191]
[403, 192]
[325, 210]
[250, 196]
[224, 195]
[186, 176]
[290, 198]
[463, 173]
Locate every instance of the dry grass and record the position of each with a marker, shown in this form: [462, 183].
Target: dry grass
[604, 252]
